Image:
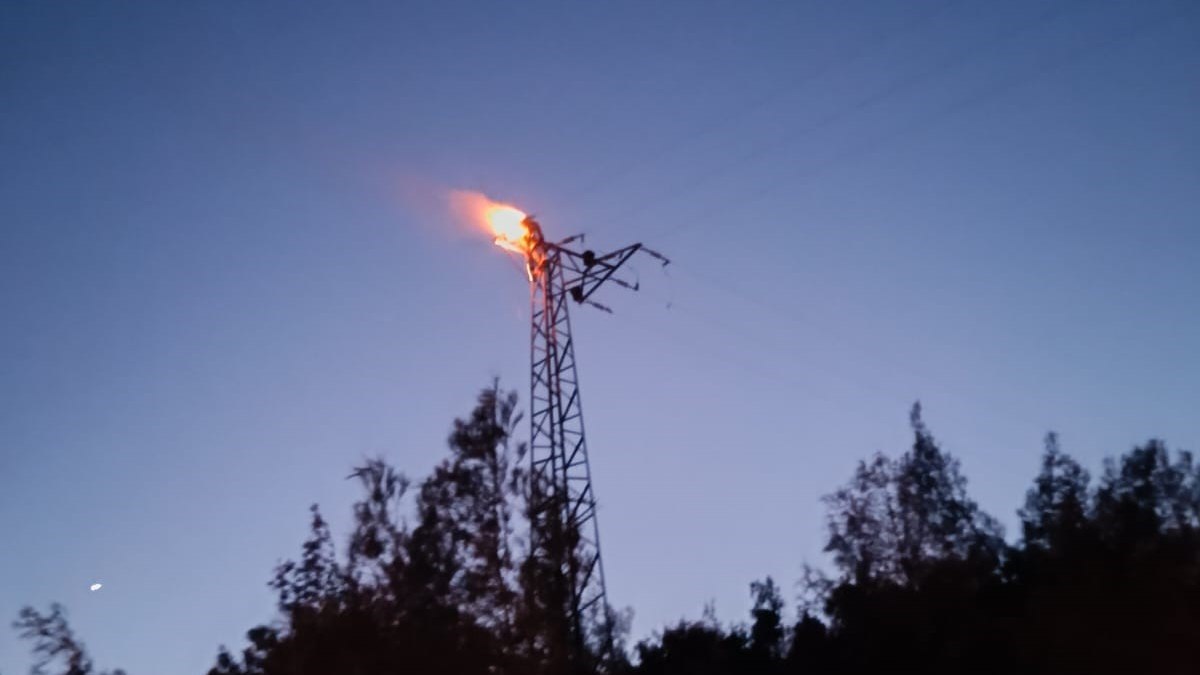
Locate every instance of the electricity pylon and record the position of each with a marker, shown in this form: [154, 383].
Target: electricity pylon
[565, 535]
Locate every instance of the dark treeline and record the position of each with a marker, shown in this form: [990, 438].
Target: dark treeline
[1104, 577]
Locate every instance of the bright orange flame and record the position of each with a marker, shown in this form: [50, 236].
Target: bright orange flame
[508, 224]
[502, 221]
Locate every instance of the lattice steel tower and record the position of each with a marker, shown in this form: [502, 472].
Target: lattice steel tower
[562, 499]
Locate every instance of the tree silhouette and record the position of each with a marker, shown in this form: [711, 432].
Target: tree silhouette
[898, 518]
[766, 630]
[1118, 588]
[694, 648]
[436, 577]
[55, 647]
[438, 596]
[1055, 511]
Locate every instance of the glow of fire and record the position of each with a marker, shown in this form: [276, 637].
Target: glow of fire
[506, 223]
[508, 226]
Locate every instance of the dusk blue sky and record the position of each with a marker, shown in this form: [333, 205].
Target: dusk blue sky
[228, 272]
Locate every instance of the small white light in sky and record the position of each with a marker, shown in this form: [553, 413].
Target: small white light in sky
[96, 587]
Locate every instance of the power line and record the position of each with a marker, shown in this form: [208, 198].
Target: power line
[790, 313]
[1041, 68]
[880, 38]
[872, 99]
[734, 355]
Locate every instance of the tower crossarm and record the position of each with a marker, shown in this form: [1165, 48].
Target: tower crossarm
[584, 272]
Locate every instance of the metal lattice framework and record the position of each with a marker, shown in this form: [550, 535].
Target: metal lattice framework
[562, 495]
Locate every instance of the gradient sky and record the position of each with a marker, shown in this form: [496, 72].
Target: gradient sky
[228, 272]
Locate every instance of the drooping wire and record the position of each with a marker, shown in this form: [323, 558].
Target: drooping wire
[844, 337]
[981, 96]
[870, 100]
[863, 49]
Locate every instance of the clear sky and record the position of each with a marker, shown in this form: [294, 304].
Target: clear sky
[228, 273]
